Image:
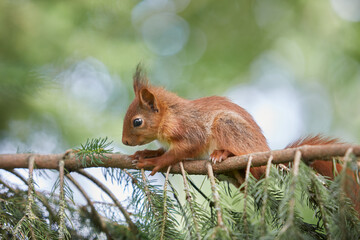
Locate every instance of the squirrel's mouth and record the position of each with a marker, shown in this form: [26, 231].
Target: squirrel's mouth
[142, 143]
[129, 142]
[132, 144]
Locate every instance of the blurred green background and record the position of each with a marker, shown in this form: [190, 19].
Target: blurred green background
[66, 66]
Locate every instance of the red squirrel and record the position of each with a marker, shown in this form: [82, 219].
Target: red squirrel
[210, 126]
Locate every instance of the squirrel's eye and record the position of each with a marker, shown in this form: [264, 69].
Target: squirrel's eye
[137, 122]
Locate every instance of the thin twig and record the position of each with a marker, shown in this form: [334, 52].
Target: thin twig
[97, 218]
[347, 158]
[132, 226]
[189, 200]
[295, 172]
[30, 200]
[62, 206]
[165, 210]
[133, 179]
[216, 196]
[264, 203]
[245, 194]
[199, 191]
[146, 189]
[21, 177]
[211, 202]
[343, 184]
[321, 205]
[30, 187]
[11, 189]
[179, 204]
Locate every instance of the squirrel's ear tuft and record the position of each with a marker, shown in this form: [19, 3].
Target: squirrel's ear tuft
[140, 79]
[148, 100]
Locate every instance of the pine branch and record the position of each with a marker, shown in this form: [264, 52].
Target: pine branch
[343, 217]
[132, 226]
[14, 190]
[148, 202]
[295, 172]
[133, 179]
[318, 197]
[63, 233]
[29, 215]
[40, 196]
[96, 216]
[165, 210]
[211, 203]
[342, 196]
[309, 153]
[264, 203]
[94, 150]
[189, 200]
[247, 173]
[146, 189]
[154, 210]
[182, 211]
[17, 174]
[216, 196]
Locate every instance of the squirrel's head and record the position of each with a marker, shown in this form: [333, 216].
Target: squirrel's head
[143, 116]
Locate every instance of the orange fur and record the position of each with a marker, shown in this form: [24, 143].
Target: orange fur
[326, 168]
[191, 129]
[210, 126]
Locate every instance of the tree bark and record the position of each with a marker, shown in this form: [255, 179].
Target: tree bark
[72, 163]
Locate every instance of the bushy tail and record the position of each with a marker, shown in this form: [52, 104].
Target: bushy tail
[326, 168]
[314, 140]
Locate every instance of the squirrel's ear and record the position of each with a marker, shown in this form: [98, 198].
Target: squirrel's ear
[138, 85]
[147, 99]
[140, 79]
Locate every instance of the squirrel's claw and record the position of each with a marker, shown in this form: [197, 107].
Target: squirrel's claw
[140, 165]
[219, 156]
[143, 163]
[155, 170]
[134, 162]
[137, 155]
[214, 160]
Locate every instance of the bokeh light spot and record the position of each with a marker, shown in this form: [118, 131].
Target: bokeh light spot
[165, 34]
[347, 9]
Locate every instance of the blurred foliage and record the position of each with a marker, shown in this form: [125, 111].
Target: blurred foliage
[46, 47]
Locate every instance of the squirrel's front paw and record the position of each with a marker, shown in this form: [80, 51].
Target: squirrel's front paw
[140, 164]
[219, 155]
[147, 154]
[147, 162]
[137, 155]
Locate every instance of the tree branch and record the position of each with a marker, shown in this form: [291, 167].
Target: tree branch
[21, 177]
[97, 219]
[308, 153]
[132, 226]
[40, 196]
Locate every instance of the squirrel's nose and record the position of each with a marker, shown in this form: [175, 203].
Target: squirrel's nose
[125, 141]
